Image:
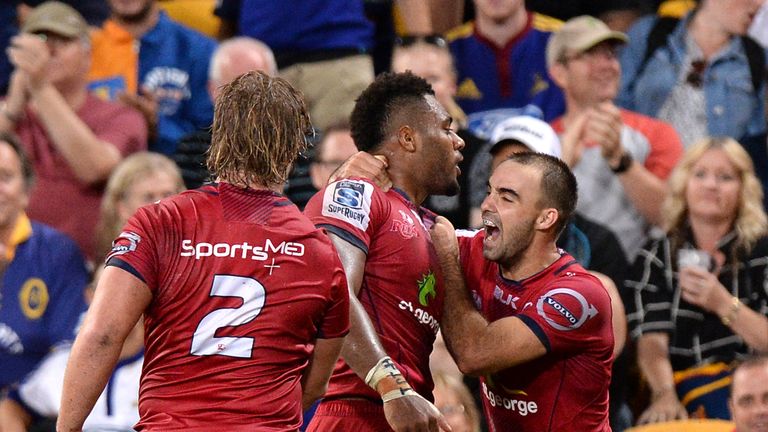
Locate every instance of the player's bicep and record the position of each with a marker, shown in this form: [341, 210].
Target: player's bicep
[352, 259]
[117, 289]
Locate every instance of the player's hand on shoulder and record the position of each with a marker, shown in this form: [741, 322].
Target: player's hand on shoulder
[367, 166]
[414, 414]
[444, 239]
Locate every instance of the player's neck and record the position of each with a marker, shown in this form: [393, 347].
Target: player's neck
[404, 180]
[530, 262]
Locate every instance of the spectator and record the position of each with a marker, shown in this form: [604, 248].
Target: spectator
[429, 58]
[699, 297]
[453, 399]
[749, 395]
[334, 148]
[287, 317]
[43, 274]
[702, 74]
[382, 239]
[321, 48]
[231, 59]
[73, 138]
[141, 179]
[620, 158]
[39, 394]
[165, 79]
[506, 328]
[500, 59]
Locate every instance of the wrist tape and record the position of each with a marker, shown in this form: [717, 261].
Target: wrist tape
[398, 393]
[384, 367]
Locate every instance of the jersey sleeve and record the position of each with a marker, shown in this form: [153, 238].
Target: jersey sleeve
[351, 209]
[571, 314]
[135, 249]
[336, 321]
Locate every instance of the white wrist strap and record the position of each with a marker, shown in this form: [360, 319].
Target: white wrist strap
[384, 367]
[397, 394]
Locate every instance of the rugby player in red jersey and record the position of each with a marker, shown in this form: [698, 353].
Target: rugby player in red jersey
[245, 302]
[383, 379]
[522, 314]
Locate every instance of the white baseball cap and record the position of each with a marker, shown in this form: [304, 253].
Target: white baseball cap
[535, 134]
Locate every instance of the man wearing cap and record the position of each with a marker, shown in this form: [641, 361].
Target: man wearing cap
[73, 138]
[621, 159]
[157, 65]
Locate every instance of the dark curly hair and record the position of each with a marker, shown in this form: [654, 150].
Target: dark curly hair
[376, 104]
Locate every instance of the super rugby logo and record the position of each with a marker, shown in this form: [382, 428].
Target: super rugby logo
[349, 201]
[349, 195]
[565, 309]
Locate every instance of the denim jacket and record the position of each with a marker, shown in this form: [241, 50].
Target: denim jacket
[733, 108]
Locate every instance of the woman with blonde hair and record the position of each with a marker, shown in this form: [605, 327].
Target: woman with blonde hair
[138, 180]
[700, 296]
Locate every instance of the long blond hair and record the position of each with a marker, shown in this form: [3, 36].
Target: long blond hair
[133, 168]
[260, 126]
[750, 221]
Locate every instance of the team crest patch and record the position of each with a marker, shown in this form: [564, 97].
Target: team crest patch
[33, 298]
[565, 309]
[427, 288]
[126, 242]
[349, 201]
[405, 226]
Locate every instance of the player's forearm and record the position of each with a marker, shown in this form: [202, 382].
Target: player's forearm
[362, 348]
[462, 325]
[90, 158]
[315, 380]
[90, 364]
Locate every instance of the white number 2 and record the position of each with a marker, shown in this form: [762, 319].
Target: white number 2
[204, 342]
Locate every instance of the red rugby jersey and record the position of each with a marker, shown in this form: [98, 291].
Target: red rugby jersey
[402, 288]
[570, 312]
[243, 284]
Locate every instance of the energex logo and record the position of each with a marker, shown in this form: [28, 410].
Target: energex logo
[240, 250]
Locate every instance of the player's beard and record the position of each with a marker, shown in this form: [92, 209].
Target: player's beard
[512, 244]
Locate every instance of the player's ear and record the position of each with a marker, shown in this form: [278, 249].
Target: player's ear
[548, 217]
[406, 138]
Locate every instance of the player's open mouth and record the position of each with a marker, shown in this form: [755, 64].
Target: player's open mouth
[491, 230]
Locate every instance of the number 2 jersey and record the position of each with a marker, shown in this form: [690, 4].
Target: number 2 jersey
[402, 288]
[242, 286]
[570, 312]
